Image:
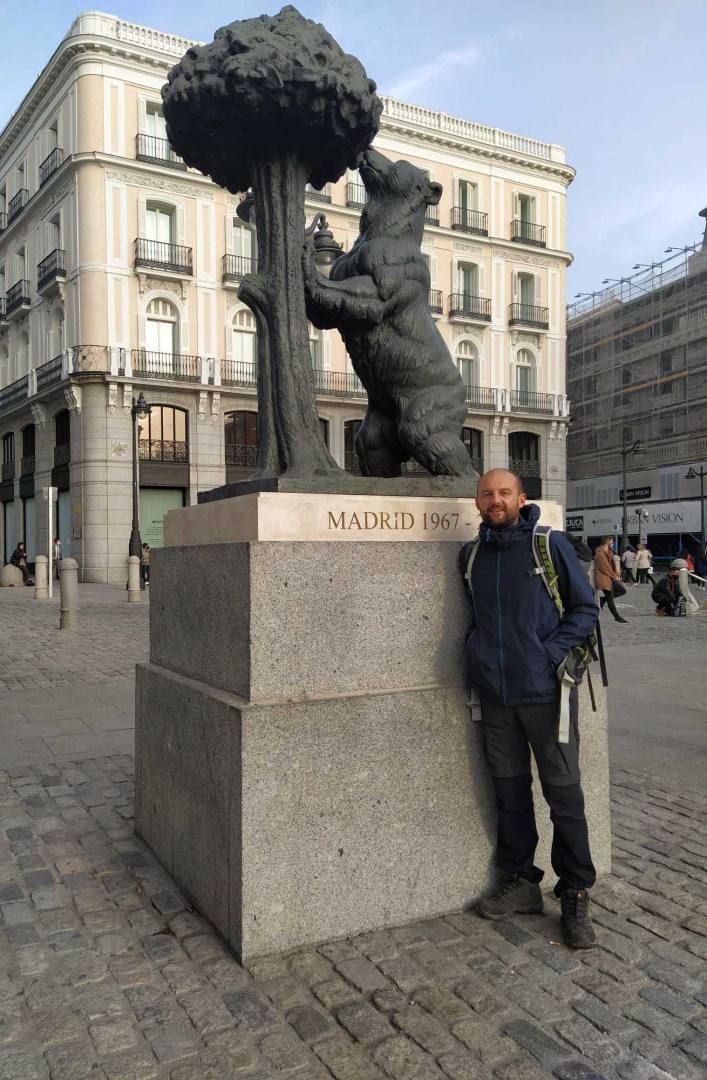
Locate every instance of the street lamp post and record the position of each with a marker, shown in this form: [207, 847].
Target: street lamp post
[693, 474]
[626, 452]
[139, 410]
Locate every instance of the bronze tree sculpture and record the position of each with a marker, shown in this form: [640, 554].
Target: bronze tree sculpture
[274, 103]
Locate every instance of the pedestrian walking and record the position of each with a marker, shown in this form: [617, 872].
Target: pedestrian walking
[644, 565]
[606, 578]
[56, 555]
[517, 643]
[145, 565]
[701, 567]
[629, 561]
[19, 559]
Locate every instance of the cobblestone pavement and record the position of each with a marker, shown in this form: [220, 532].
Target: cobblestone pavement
[106, 973]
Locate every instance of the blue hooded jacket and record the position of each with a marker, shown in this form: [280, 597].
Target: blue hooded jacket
[517, 639]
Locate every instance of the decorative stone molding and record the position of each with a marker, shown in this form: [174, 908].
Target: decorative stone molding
[554, 470]
[112, 397]
[521, 257]
[471, 333]
[157, 183]
[500, 427]
[146, 283]
[552, 434]
[203, 405]
[127, 398]
[215, 408]
[526, 337]
[72, 395]
[465, 245]
[39, 414]
[119, 450]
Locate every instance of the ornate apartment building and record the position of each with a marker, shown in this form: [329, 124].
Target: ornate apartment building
[119, 271]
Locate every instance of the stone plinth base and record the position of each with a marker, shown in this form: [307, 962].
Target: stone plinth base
[307, 764]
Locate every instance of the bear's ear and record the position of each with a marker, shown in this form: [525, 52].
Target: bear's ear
[435, 193]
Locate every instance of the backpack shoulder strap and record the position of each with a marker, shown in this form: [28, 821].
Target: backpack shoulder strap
[470, 552]
[545, 566]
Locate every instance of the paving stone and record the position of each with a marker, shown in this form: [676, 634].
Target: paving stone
[72, 1061]
[206, 1010]
[403, 1060]
[284, 1050]
[364, 1022]
[112, 1036]
[657, 1021]
[134, 1065]
[427, 1031]
[364, 975]
[406, 973]
[346, 1063]
[576, 1070]
[309, 1023]
[520, 1069]
[459, 1065]
[442, 1004]
[606, 1020]
[696, 1048]
[557, 958]
[335, 992]
[531, 1038]
[675, 1004]
[484, 1042]
[172, 1041]
[672, 1062]
[249, 1011]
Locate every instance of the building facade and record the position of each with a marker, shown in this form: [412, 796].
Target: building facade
[119, 271]
[637, 371]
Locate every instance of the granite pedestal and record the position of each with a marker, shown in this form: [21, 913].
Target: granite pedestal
[307, 764]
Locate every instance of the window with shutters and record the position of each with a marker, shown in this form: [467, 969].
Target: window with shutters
[155, 123]
[161, 328]
[468, 363]
[244, 346]
[526, 289]
[526, 208]
[467, 195]
[159, 223]
[468, 279]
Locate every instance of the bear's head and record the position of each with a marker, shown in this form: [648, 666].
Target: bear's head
[398, 196]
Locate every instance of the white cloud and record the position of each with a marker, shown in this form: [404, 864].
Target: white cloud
[414, 80]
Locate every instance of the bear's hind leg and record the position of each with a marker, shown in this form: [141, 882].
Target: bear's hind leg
[377, 446]
[443, 454]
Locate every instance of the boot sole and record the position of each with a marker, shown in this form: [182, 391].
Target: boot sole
[582, 948]
[535, 909]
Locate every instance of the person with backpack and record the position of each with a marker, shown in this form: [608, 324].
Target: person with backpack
[666, 595]
[521, 654]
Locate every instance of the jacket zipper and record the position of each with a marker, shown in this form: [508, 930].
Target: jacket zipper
[500, 630]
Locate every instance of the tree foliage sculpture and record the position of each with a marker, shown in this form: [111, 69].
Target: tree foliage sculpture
[274, 103]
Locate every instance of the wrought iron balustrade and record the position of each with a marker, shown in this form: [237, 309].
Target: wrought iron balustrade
[8, 470]
[523, 467]
[356, 196]
[529, 315]
[432, 215]
[317, 196]
[27, 465]
[50, 164]
[470, 221]
[532, 401]
[478, 464]
[235, 267]
[242, 454]
[527, 232]
[163, 450]
[481, 397]
[435, 301]
[467, 306]
[158, 365]
[17, 296]
[157, 151]
[337, 383]
[49, 373]
[16, 391]
[238, 373]
[53, 266]
[17, 204]
[156, 255]
[62, 454]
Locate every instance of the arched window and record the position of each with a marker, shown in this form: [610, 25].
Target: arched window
[473, 440]
[315, 347]
[4, 367]
[244, 345]
[350, 456]
[241, 438]
[524, 459]
[467, 362]
[163, 435]
[55, 334]
[524, 377]
[161, 330]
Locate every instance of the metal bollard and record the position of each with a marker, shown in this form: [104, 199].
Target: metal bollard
[41, 587]
[134, 580]
[69, 583]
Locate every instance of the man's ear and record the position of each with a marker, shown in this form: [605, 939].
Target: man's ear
[435, 193]
[522, 498]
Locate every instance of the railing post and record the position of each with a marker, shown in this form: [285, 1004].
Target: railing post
[203, 369]
[65, 365]
[217, 371]
[32, 383]
[113, 356]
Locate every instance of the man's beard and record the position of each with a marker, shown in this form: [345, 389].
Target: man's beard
[501, 523]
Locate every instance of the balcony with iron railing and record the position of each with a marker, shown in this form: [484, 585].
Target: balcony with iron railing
[157, 151]
[527, 232]
[17, 297]
[432, 215]
[239, 373]
[356, 196]
[49, 373]
[51, 268]
[242, 454]
[235, 267]
[8, 470]
[62, 454]
[17, 204]
[470, 221]
[480, 397]
[532, 401]
[468, 306]
[523, 467]
[177, 367]
[27, 465]
[169, 450]
[435, 301]
[337, 383]
[14, 392]
[50, 164]
[529, 315]
[317, 196]
[156, 255]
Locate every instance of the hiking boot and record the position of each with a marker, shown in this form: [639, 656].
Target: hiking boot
[513, 895]
[577, 928]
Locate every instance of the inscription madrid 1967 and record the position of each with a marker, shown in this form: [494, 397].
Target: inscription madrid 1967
[396, 520]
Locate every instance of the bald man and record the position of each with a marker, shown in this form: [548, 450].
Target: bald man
[516, 643]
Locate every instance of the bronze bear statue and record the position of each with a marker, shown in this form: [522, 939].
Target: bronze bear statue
[377, 297]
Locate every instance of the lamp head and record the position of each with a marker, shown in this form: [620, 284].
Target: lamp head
[326, 248]
[142, 409]
[691, 474]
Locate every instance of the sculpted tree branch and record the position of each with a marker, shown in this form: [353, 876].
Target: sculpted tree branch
[272, 104]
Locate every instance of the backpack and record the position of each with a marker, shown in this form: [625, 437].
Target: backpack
[571, 672]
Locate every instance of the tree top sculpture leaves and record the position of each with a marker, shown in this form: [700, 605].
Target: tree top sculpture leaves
[269, 87]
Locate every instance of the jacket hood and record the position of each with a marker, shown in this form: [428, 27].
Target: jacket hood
[529, 516]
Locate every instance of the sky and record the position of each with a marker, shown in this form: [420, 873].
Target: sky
[621, 84]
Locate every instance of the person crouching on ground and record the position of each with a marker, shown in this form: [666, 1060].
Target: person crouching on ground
[605, 575]
[666, 595]
[516, 643]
